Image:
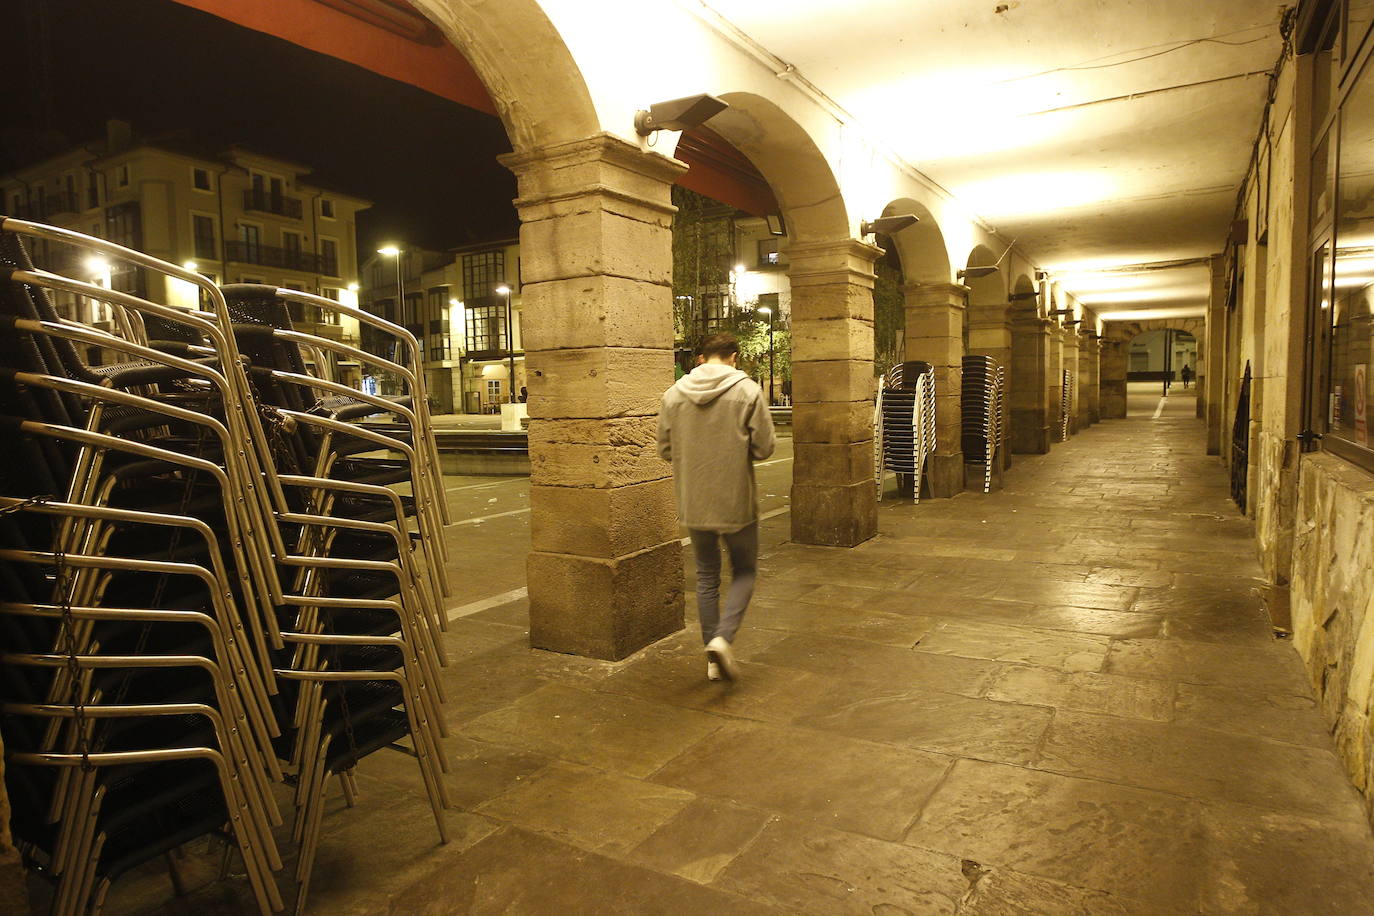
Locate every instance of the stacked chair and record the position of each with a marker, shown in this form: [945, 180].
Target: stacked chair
[1065, 405]
[220, 578]
[983, 408]
[904, 424]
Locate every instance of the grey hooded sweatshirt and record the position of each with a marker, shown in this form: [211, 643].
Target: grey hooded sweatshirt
[712, 426]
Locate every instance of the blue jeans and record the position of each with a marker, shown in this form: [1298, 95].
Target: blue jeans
[743, 546]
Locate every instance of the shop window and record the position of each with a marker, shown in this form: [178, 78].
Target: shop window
[1351, 293]
[768, 252]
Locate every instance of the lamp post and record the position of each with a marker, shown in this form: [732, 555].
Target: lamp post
[504, 290]
[769, 312]
[393, 251]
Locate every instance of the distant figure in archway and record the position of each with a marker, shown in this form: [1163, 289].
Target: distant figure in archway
[1186, 373]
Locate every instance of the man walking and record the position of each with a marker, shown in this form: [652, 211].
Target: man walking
[714, 423]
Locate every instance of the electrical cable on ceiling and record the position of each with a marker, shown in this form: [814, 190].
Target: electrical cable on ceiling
[1092, 64]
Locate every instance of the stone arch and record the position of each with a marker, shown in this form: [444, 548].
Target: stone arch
[831, 278]
[922, 248]
[1116, 340]
[791, 162]
[528, 71]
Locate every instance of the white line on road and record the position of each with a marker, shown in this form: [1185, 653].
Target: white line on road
[482, 518]
[1158, 410]
[475, 607]
[764, 464]
[484, 486]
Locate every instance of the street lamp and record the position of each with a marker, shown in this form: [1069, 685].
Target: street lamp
[504, 290]
[392, 251]
[769, 312]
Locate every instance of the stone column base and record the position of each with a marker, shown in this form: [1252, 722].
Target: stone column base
[605, 609]
[945, 474]
[834, 516]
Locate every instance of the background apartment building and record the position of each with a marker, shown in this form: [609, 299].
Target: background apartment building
[469, 330]
[235, 217]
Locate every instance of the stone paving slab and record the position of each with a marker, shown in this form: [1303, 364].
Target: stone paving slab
[1062, 697]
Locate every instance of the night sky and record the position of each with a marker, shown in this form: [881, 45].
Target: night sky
[427, 163]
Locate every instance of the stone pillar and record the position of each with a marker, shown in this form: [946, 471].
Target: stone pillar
[1054, 382]
[1114, 359]
[935, 334]
[1071, 338]
[989, 334]
[1090, 357]
[1026, 387]
[1211, 376]
[605, 571]
[833, 500]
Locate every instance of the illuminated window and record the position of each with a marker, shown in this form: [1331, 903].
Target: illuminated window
[768, 252]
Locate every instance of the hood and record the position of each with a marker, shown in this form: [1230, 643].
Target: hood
[708, 381]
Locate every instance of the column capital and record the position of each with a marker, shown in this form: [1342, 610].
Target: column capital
[838, 261]
[603, 164]
[954, 295]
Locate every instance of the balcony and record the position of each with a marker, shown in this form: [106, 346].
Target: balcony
[283, 258]
[62, 202]
[266, 202]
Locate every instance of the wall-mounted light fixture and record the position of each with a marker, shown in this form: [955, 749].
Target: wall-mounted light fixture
[776, 226]
[984, 270]
[678, 114]
[1075, 321]
[1022, 297]
[1061, 311]
[888, 225]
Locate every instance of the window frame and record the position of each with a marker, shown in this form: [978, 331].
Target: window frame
[197, 171]
[1349, 70]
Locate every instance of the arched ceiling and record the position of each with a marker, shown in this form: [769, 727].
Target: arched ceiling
[1098, 134]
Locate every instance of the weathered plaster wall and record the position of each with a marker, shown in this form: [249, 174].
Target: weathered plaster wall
[1333, 604]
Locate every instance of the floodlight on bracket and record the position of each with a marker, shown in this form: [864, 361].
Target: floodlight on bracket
[1075, 321]
[678, 114]
[1021, 297]
[1061, 311]
[888, 225]
[985, 270]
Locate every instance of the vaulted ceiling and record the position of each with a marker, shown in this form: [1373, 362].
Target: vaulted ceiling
[1096, 133]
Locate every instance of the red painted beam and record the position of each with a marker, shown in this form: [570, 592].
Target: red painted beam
[386, 37]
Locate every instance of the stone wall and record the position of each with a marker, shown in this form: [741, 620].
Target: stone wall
[1333, 604]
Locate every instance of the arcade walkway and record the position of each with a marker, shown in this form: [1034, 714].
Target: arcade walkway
[1060, 698]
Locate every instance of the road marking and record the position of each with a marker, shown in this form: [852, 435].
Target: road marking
[764, 464]
[482, 518]
[483, 486]
[1158, 410]
[484, 604]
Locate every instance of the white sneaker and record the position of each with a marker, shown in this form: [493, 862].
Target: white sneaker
[718, 651]
[712, 671]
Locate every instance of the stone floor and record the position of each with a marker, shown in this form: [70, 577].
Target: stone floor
[1063, 697]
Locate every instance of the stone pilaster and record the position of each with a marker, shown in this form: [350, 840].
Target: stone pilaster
[935, 334]
[989, 334]
[1071, 340]
[1113, 362]
[1090, 373]
[833, 387]
[1027, 385]
[1211, 380]
[605, 571]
